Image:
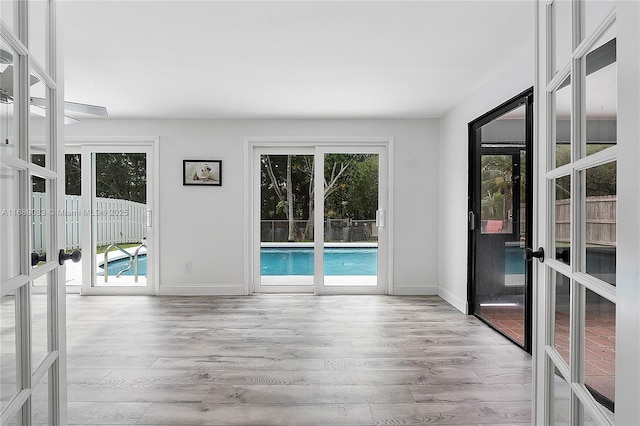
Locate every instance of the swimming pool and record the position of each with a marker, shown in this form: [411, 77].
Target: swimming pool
[118, 265]
[337, 261]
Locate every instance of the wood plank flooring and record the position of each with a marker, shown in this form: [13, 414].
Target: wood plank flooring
[289, 360]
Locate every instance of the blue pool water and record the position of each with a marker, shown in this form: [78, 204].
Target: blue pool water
[337, 261]
[514, 262]
[118, 265]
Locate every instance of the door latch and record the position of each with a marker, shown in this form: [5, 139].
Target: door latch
[529, 254]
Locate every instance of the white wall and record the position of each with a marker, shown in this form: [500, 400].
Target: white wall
[454, 178]
[205, 225]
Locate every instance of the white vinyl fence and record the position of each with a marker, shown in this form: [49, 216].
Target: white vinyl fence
[117, 221]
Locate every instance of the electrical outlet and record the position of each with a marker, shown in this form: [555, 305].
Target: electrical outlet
[187, 267]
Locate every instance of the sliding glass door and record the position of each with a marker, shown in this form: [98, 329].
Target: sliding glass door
[351, 220]
[117, 201]
[319, 219]
[286, 237]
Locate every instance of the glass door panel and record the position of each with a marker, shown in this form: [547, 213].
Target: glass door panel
[74, 215]
[600, 349]
[500, 220]
[500, 272]
[8, 349]
[11, 186]
[286, 221]
[119, 202]
[350, 231]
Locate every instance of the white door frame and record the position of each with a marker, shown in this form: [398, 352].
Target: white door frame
[150, 146]
[252, 211]
[626, 294]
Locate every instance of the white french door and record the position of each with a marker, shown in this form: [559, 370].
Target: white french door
[587, 297]
[32, 276]
[319, 217]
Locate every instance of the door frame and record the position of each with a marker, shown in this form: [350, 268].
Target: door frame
[475, 153]
[252, 213]
[150, 145]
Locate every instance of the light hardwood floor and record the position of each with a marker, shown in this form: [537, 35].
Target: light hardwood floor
[289, 360]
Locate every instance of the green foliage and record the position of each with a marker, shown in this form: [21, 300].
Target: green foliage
[497, 183]
[73, 174]
[122, 176]
[357, 193]
[600, 180]
[350, 194]
[272, 206]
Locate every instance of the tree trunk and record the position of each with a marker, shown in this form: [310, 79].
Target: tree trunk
[292, 235]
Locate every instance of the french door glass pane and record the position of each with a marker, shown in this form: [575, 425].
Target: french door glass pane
[562, 219]
[8, 80]
[10, 223]
[8, 340]
[563, 123]
[600, 226]
[594, 12]
[601, 95]
[561, 10]
[561, 400]
[286, 220]
[600, 347]
[561, 319]
[40, 415]
[39, 219]
[7, 12]
[38, 17]
[120, 218]
[39, 112]
[350, 231]
[39, 321]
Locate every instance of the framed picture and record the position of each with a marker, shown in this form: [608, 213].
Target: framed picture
[202, 172]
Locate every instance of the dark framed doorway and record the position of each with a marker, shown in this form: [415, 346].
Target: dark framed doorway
[500, 218]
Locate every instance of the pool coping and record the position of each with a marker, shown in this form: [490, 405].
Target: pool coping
[311, 244]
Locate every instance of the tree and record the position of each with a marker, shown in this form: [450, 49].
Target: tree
[287, 182]
[283, 190]
[497, 185]
[121, 176]
[335, 166]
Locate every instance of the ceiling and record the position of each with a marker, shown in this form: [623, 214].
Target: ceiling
[289, 59]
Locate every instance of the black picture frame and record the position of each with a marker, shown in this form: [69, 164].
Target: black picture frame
[202, 172]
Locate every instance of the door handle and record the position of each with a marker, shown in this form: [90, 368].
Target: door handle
[529, 254]
[471, 217]
[380, 218]
[37, 258]
[75, 256]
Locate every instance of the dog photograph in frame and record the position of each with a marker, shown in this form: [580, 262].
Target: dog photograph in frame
[202, 172]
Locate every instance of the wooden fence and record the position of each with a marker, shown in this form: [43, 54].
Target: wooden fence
[117, 221]
[600, 220]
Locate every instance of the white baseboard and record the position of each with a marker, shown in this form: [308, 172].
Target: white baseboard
[454, 300]
[415, 290]
[201, 290]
